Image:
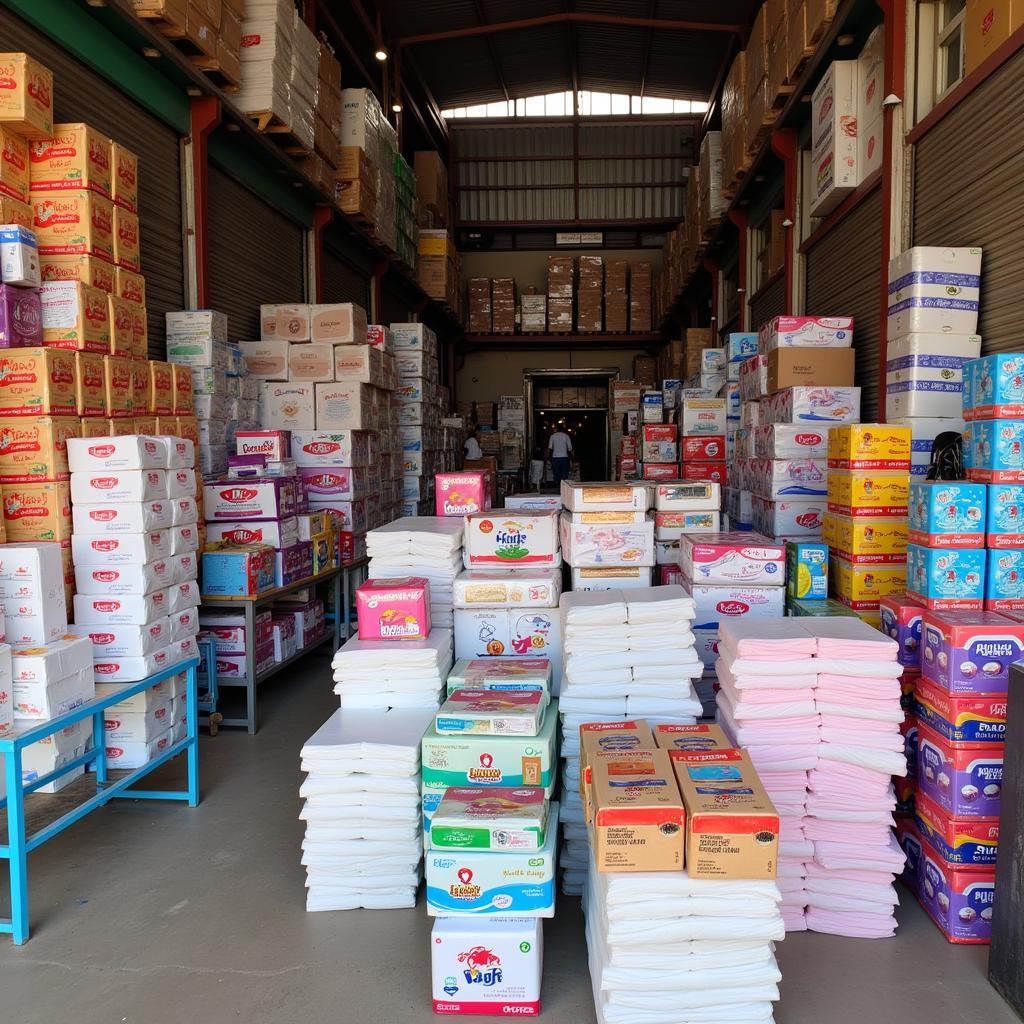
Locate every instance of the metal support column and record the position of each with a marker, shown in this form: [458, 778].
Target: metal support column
[739, 219]
[784, 146]
[205, 114]
[322, 216]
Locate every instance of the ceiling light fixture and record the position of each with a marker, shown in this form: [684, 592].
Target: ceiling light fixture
[396, 107]
[381, 54]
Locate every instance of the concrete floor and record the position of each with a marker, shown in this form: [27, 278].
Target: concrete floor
[161, 914]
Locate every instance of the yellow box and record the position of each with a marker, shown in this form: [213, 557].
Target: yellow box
[435, 244]
[872, 616]
[161, 388]
[90, 390]
[182, 376]
[865, 541]
[75, 156]
[37, 511]
[140, 332]
[122, 426]
[35, 448]
[37, 382]
[117, 386]
[864, 493]
[129, 285]
[95, 426]
[89, 270]
[861, 587]
[869, 446]
[26, 96]
[140, 383]
[188, 426]
[126, 239]
[13, 164]
[14, 211]
[165, 425]
[76, 316]
[143, 425]
[124, 176]
[122, 326]
[68, 223]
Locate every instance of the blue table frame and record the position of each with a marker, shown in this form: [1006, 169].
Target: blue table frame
[19, 845]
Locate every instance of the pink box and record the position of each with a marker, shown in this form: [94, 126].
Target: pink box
[349, 516]
[459, 494]
[728, 559]
[340, 483]
[228, 631]
[273, 445]
[396, 609]
[263, 498]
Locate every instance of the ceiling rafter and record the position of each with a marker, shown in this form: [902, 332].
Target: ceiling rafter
[648, 42]
[482, 16]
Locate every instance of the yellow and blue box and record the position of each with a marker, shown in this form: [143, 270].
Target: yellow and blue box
[868, 493]
[997, 451]
[865, 541]
[946, 578]
[947, 514]
[807, 570]
[862, 587]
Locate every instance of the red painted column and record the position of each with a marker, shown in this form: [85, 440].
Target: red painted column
[739, 218]
[711, 266]
[894, 77]
[204, 117]
[785, 148]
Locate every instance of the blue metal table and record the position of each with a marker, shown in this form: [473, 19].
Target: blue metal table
[19, 845]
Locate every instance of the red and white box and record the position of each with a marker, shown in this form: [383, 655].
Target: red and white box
[228, 631]
[181, 483]
[394, 609]
[131, 451]
[137, 726]
[460, 494]
[124, 579]
[183, 511]
[340, 483]
[285, 643]
[262, 498]
[184, 539]
[130, 517]
[121, 610]
[716, 472]
[805, 332]
[278, 533]
[118, 486]
[127, 754]
[702, 449]
[273, 445]
[320, 448]
[185, 566]
[184, 623]
[182, 595]
[124, 641]
[120, 549]
[727, 559]
[180, 451]
[661, 470]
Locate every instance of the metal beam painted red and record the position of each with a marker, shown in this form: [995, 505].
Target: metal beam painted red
[739, 218]
[204, 116]
[784, 146]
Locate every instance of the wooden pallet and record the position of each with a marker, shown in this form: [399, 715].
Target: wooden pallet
[711, 227]
[267, 121]
[782, 94]
[210, 66]
[760, 136]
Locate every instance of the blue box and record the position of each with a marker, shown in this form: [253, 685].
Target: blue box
[946, 577]
[1004, 580]
[946, 514]
[807, 570]
[997, 451]
[996, 386]
[1004, 517]
[740, 346]
[238, 572]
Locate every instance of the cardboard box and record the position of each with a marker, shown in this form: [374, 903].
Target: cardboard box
[796, 367]
[288, 406]
[358, 363]
[34, 448]
[732, 828]
[91, 270]
[987, 25]
[74, 223]
[127, 252]
[76, 156]
[522, 538]
[835, 168]
[699, 736]
[37, 380]
[129, 285]
[340, 323]
[266, 359]
[342, 406]
[75, 316]
[124, 177]
[310, 362]
[120, 316]
[119, 386]
[27, 106]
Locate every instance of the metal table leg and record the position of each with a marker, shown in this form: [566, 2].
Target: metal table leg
[18, 856]
[250, 666]
[342, 596]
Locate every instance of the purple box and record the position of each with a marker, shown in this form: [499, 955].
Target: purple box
[968, 651]
[909, 838]
[965, 780]
[267, 497]
[293, 564]
[21, 317]
[958, 900]
[333, 483]
[901, 620]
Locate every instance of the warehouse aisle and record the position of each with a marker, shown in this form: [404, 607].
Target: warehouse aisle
[159, 915]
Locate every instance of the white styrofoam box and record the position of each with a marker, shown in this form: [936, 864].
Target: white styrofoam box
[29, 569]
[924, 375]
[834, 166]
[182, 595]
[181, 483]
[6, 693]
[750, 413]
[118, 486]
[213, 432]
[607, 578]
[179, 713]
[622, 496]
[120, 548]
[523, 538]
[715, 603]
[738, 346]
[805, 332]
[345, 448]
[510, 633]
[184, 539]
[754, 378]
[136, 754]
[790, 441]
[497, 588]
[124, 641]
[184, 623]
[122, 609]
[141, 726]
[687, 496]
[124, 579]
[934, 290]
[127, 517]
[211, 407]
[604, 543]
[153, 696]
[184, 512]
[132, 451]
[788, 478]
[278, 533]
[670, 526]
[786, 517]
[288, 406]
[51, 679]
[816, 405]
[184, 566]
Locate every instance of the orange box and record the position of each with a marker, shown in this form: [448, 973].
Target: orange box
[130, 285]
[140, 332]
[126, 239]
[90, 270]
[987, 25]
[35, 448]
[182, 375]
[122, 326]
[13, 164]
[188, 426]
[124, 177]
[14, 211]
[94, 426]
[37, 511]
[140, 381]
[122, 426]
[73, 222]
[26, 96]
[91, 400]
[75, 316]
[161, 388]
[142, 425]
[74, 157]
[36, 382]
[118, 389]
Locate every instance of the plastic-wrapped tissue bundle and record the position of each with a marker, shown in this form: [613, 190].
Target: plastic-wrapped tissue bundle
[627, 654]
[393, 674]
[429, 546]
[363, 845]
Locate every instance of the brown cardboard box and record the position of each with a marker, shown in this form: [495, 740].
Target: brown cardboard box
[118, 387]
[129, 285]
[796, 367]
[616, 296]
[140, 332]
[124, 177]
[690, 737]
[88, 269]
[76, 157]
[987, 25]
[819, 16]
[639, 819]
[161, 388]
[602, 737]
[757, 55]
[14, 211]
[432, 183]
[35, 448]
[122, 327]
[645, 370]
[37, 511]
[139, 371]
[89, 384]
[503, 305]
[13, 164]
[26, 102]
[37, 381]
[561, 277]
[798, 37]
[640, 295]
[478, 293]
[76, 316]
[560, 314]
[68, 223]
[732, 828]
[184, 403]
[94, 426]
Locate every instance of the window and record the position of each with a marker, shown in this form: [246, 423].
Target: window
[940, 51]
[590, 104]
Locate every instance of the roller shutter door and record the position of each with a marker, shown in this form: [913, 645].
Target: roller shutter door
[393, 308]
[80, 94]
[342, 281]
[842, 280]
[257, 255]
[969, 190]
[768, 301]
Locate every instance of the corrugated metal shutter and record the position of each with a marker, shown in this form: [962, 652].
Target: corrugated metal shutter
[842, 280]
[768, 302]
[394, 309]
[80, 94]
[256, 255]
[969, 190]
[342, 281]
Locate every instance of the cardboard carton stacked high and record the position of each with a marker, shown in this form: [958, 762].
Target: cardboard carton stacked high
[709, 179]
[479, 296]
[327, 123]
[561, 287]
[757, 102]
[356, 187]
[406, 228]
[590, 294]
[431, 188]
[512, 427]
[437, 266]
[640, 298]
[421, 402]
[734, 120]
[616, 296]
[303, 79]
[266, 58]
[26, 113]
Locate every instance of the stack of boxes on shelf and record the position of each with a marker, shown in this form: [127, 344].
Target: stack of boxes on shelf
[589, 309]
[512, 427]
[616, 296]
[437, 267]
[431, 189]
[478, 292]
[561, 286]
[407, 232]
[322, 165]
[268, 30]
[302, 83]
[709, 180]
[866, 524]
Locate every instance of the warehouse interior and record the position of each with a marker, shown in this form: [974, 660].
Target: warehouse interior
[565, 134]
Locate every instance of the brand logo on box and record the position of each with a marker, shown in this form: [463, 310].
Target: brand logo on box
[105, 669]
[483, 967]
[104, 545]
[238, 494]
[465, 888]
[106, 606]
[486, 772]
[732, 607]
[101, 639]
[106, 575]
[104, 483]
[103, 515]
[321, 447]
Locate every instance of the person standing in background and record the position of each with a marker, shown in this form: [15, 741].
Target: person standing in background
[471, 449]
[560, 447]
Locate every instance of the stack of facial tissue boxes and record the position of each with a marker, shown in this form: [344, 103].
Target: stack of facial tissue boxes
[931, 330]
[680, 506]
[490, 861]
[960, 709]
[135, 553]
[868, 484]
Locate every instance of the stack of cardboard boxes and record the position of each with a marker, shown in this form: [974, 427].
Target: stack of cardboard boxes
[438, 266]
[561, 286]
[479, 296]
[533, 316]
[709, 179]
[356, 187]
[406, 228]
[302, 83]
[431, 189]
[266, 60]
[616, 296]
[640, 298]
[590, 294]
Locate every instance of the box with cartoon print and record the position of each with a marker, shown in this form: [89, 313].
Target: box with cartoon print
[964, 779]
[946, 577]
[947, 514]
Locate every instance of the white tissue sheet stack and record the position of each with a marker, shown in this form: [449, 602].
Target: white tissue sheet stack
[384, 674]
[668, 949]
[429, 546]
[626, 654]
[361, 807]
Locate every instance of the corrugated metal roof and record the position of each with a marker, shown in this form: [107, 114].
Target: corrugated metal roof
[530, 61]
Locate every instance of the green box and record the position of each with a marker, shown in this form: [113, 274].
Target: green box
[806, 570]
[796, 606]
